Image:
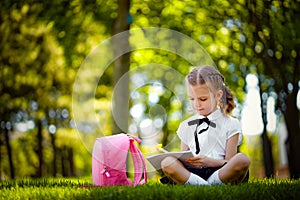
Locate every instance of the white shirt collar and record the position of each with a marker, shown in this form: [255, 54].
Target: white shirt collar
[214, 115]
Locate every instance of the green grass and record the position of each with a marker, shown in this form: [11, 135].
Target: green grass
[70, 188]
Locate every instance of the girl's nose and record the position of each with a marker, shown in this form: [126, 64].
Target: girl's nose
[197, 103]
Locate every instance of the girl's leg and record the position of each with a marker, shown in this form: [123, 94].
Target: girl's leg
[175, 170]
[235, 170]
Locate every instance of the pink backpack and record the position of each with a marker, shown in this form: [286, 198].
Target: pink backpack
[109, 161]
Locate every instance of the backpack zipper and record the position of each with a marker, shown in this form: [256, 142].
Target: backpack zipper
[104, 171]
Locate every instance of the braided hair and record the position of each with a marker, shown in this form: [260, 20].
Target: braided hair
[215, 81]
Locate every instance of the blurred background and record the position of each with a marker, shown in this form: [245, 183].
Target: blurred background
[254, 44]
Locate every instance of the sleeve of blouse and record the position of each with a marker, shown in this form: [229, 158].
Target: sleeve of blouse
[234, 127]
[180, 132]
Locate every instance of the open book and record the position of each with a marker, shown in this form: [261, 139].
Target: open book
[155, 160]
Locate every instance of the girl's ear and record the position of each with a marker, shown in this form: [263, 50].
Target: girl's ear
[219, 95]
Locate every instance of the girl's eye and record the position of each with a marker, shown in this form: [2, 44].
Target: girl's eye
[203, 99]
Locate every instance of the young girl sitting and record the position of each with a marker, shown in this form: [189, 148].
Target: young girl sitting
[211, 134]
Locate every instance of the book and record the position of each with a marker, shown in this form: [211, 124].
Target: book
[155, 160]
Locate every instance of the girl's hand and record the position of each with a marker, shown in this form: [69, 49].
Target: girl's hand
[204, 161]
[198, 161]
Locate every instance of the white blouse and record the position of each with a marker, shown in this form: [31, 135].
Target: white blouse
[213, 141]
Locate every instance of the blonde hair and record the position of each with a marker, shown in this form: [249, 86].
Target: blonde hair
[215, 81]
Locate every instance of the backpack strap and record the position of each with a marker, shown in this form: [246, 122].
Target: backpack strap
[139, 161]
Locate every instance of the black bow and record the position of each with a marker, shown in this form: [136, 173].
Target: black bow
[199, 122]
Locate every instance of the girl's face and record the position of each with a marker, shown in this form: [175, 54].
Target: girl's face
[202, 99]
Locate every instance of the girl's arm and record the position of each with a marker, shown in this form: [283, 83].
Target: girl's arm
[231, 150]
[231, 147]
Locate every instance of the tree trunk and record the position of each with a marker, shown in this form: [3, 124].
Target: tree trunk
[291, 116]
[40, 148]
[267, 146]
[63, 165]
[54, 163]
[267, 155]
[255, 19]
[120, 101]
[71, 161]
[9, 152]
[1, 142]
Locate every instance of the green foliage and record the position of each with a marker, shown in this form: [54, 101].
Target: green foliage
[206, 23]
[42, 46]
[252, 147]
[44, 43]
[81, 189]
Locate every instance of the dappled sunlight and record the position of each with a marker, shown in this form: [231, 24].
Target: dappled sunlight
[251, 113]
[59, 90]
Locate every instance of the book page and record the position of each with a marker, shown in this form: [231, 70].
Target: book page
[155, 160]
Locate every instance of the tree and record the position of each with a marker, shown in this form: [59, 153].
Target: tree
[255, 15]
[31, 71]
[276, 60]
[43, 45]
[282, 60]
[121, 68]
[18, 79]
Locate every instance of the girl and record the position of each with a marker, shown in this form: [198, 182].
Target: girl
[212, 135]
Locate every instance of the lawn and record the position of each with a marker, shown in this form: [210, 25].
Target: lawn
[72, 188]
